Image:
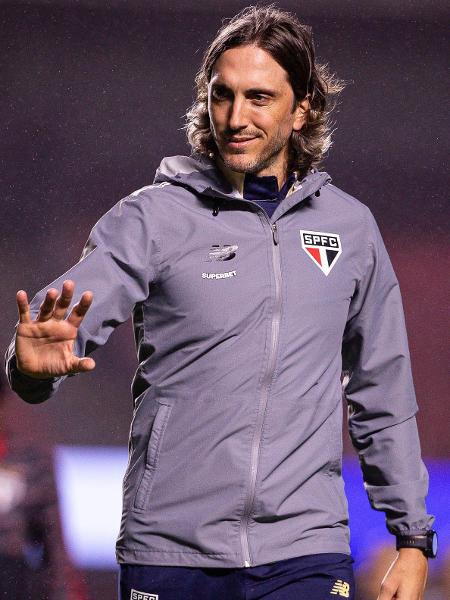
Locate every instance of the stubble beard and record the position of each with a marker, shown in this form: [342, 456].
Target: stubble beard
[258, 163]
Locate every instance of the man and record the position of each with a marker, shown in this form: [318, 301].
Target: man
[254, 284]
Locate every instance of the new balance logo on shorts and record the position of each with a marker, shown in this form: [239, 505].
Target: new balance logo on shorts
[135, 595]
[342, 588]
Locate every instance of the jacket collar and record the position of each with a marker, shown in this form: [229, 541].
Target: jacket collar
[202, 175]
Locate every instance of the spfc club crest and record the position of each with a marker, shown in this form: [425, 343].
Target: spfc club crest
[322, 248]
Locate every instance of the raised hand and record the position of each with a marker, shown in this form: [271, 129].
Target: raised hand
[44, 347]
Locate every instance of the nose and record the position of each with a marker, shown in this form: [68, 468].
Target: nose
[237, 118]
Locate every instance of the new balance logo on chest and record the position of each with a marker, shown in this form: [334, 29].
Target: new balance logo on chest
[222, 252]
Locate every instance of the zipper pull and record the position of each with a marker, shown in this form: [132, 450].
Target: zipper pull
[275, 234]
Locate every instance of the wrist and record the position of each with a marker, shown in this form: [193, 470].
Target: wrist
[412, 554]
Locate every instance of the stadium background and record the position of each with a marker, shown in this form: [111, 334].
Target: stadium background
[93, 96]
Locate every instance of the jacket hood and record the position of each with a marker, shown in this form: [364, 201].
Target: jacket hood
[203, 176]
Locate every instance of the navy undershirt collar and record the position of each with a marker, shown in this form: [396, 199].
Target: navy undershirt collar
[265, 187]
[264, 190]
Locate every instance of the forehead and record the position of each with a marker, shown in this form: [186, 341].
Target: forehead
[248, 66]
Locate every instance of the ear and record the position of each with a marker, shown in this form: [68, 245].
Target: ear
[301, 113]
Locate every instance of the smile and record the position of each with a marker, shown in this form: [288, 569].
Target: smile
[237, 143]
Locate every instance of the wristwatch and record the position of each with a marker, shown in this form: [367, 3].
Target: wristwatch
[427, 542]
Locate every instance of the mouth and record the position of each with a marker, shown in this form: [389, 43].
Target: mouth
[236, 142]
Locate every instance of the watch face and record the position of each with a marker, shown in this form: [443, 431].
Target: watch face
[434, 543]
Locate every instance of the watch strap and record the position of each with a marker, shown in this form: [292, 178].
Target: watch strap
[427, 542]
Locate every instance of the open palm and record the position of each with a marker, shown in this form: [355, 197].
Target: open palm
[44, 346]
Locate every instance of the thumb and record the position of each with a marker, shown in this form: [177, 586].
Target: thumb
[387, 592]
[84, 365]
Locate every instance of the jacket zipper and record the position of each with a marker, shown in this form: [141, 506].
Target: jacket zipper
[276, 317]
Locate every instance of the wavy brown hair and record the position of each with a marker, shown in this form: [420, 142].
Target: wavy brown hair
[290, 43]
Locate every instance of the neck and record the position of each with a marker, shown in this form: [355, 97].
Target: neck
[278, 170]
[237, 178]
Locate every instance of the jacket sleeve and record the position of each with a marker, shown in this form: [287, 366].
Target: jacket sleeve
[380, 394]
[118, 263]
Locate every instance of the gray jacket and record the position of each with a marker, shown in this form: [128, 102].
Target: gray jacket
[244, 326]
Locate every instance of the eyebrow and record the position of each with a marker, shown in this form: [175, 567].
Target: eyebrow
[260, 90]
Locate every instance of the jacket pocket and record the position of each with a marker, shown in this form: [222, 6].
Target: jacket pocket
[333, 471]
[161, 419]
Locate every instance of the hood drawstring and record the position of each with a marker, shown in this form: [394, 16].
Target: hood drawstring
[317, 193]
[216, 208]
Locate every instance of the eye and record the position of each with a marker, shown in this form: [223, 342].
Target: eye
[259, 98]
[219, 93]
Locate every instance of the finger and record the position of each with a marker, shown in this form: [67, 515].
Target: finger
[23, 307]
[83, 365]
[80, 308]
[64, 299]
[47, 305]
[386, 593]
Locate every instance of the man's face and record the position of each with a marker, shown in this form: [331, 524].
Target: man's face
[250, 103]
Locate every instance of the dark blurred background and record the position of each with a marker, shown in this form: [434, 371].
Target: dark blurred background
[92, 96]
